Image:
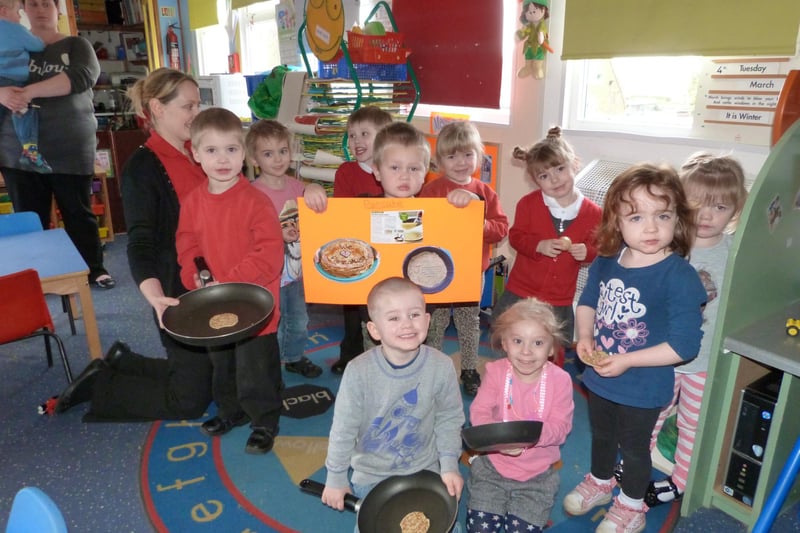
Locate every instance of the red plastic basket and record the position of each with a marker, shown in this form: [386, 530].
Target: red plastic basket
[377, 48]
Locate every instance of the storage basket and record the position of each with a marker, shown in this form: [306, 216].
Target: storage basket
[364, 71]
[377, 48]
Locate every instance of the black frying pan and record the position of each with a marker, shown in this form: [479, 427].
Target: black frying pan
[190, 321]
[385, 506]
[502, 435]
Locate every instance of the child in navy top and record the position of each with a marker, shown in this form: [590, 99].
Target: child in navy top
[642, 305]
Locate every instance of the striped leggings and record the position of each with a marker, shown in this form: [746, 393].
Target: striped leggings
[688, 395]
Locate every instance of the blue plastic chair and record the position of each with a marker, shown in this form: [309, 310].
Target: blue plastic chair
[28, 222]
[33, 511]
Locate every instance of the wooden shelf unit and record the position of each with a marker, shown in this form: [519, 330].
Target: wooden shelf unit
[103, 213]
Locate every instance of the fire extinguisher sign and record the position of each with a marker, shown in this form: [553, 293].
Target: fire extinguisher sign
[168, 12]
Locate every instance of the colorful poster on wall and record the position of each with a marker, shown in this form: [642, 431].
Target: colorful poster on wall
[357, 242]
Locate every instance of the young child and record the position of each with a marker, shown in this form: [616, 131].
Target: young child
[553, 232]
[516, 488]
[715, 188]
[643, 305]
[459, 151]
[398, 410]
[238, 234]
[268, 148]
[16, 43]
[353, 179]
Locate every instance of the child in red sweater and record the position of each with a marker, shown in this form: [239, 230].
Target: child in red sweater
[353, 179]
[236, 230]
[459, 151]
[553, 232]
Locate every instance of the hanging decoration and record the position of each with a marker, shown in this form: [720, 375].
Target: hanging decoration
[534, 37]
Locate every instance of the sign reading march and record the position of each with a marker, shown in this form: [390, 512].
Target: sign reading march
[358, 242]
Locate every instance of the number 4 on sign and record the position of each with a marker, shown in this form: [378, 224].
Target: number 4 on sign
[721, 70]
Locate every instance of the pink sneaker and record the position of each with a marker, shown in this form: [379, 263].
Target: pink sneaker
[588, 495]
[623, 519]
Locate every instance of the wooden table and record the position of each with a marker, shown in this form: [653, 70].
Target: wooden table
[61, 269]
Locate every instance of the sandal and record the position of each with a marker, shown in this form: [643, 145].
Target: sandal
[663, 491]
[104, 281]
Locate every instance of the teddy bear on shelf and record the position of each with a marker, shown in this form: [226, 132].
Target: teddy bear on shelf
[534, 36]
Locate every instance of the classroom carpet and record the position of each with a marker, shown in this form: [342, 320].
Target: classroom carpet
[191, 482]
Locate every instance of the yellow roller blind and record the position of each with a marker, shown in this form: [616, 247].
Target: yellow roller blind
[202, 13]
[595, 29]
[236, 4]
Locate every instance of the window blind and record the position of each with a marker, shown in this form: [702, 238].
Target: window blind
[202, 13]
[457, 51]
[622, 28]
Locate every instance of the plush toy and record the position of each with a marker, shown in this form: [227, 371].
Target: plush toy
[534, 36]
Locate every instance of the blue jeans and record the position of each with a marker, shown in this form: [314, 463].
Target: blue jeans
[26, 126]
[293, 326]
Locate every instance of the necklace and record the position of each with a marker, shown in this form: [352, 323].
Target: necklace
[508, 396]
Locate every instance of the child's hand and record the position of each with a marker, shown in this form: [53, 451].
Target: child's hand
[461, 197]
[578, 251]
[611, 367]
[551, 247]
[334, 497]
[584, 348]
[316, 198]
[454, 483]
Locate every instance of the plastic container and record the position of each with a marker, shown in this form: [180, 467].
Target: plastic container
[387, 48]
[103, 231]
[6, 208]
[364, 71]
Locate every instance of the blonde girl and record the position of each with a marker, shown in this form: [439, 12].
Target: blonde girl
[553, 231]
[642, 305]
[715, 188]
[516, 489]
[459, 152]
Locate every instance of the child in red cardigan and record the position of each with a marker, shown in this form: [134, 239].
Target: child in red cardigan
[553, 232]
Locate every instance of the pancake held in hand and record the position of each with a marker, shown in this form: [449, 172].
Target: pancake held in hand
[595, 357]
[415, 522]
[346, 258]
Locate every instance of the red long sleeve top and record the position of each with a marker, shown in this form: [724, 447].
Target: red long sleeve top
[550, 279]
[495, 221]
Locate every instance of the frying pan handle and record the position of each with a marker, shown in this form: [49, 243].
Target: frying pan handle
[313, 487]
[202, 270]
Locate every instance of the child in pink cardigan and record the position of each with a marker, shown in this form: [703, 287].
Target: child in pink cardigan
[517, 487]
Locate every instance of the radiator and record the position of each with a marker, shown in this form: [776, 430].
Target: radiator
[593, 181]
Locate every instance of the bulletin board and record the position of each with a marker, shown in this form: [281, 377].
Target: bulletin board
[438, 33]
[408, 237]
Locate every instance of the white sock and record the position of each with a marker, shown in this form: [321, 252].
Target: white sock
[627, 501]
[603, 482]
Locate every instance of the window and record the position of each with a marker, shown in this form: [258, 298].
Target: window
[635, 94]
[258, 34]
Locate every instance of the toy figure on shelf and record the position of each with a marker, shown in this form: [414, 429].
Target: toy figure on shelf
[534, 36]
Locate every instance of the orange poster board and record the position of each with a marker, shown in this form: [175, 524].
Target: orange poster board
[357, 242]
